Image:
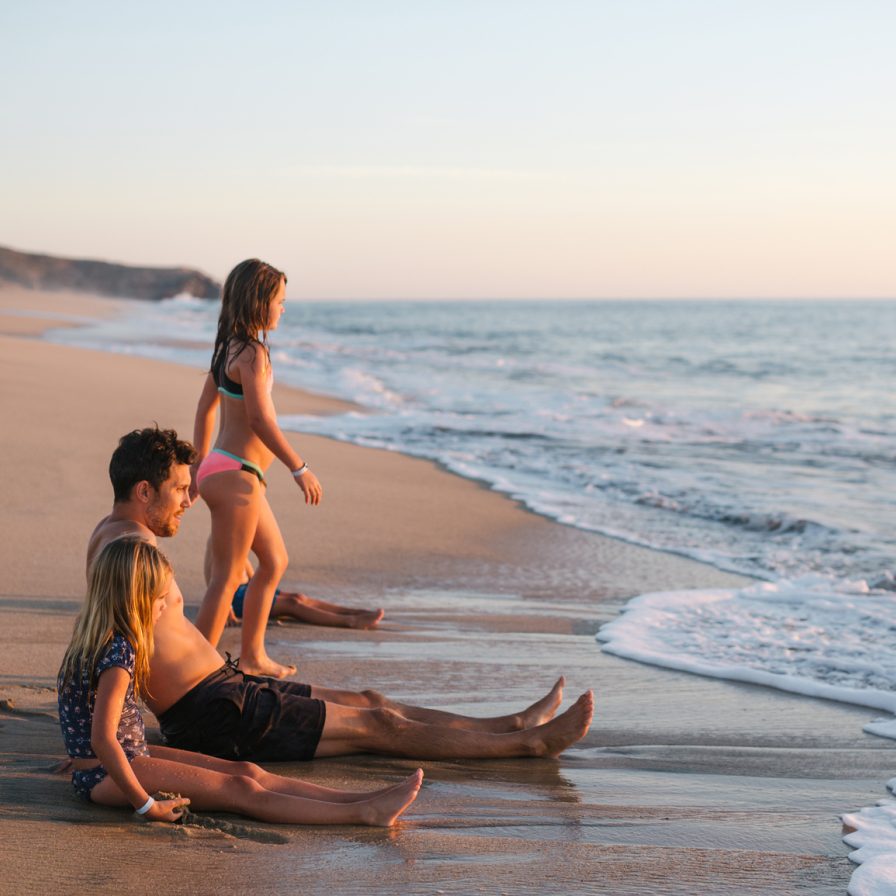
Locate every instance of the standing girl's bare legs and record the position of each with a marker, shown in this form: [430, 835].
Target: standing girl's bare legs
[233, 791]
[238, 505]
[270, 550]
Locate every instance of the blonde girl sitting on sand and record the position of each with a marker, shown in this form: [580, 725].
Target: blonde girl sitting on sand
[105, 670]
[231, 476]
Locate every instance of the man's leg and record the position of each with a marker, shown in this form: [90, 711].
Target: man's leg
[537, 714]
[384, 731]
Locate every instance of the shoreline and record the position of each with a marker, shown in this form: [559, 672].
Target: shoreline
[323, 404]
[684, 784]
[311, 403]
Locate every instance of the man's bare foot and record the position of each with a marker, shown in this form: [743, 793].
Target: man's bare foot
[363, 618]
[265, 667]
[543, 710]
[383, 809]
[552, 738]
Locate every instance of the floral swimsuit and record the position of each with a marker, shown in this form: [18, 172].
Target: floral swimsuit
[76, 699]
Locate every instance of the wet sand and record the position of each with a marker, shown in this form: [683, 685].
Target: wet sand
[684, 785]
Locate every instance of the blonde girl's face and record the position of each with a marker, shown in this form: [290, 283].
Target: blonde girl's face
[275, 309]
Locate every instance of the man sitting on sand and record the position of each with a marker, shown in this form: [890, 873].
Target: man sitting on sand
[204, 703]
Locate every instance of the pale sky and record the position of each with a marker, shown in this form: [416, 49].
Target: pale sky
[465, 148]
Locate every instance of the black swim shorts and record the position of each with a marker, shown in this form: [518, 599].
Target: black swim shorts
[236, 716]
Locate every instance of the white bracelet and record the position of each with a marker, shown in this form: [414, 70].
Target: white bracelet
[146, 807]
[301, 471]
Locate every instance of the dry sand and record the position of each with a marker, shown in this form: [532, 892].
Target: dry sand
[684, 785]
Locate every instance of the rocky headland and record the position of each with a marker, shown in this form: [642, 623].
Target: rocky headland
[103, 278]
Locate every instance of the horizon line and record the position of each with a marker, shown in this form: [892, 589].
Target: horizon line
[784, 298]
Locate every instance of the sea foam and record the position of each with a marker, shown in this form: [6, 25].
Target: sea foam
[873, 835]
[812, 636]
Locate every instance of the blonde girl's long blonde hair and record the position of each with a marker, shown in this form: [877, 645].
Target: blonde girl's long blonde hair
[123, 583]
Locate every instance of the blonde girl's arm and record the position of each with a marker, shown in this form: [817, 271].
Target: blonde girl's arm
[110, 694]
[263, 420]
[204, 427]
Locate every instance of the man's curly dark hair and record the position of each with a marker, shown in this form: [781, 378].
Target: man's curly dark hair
[146, 454]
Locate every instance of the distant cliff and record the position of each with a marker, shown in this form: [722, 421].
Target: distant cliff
[102, 278]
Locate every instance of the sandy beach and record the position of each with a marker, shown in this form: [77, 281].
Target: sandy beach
[684, 785]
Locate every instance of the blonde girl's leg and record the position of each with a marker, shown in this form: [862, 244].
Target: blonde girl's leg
[268, 780]
[270, 551]
[234, 499]
[210, 790]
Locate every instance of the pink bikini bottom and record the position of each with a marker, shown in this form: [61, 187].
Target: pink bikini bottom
[220, 461]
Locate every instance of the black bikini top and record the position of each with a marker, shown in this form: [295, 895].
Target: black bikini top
[226, 386]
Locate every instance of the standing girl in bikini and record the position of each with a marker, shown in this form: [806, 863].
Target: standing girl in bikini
[231, 477]
[105, 670]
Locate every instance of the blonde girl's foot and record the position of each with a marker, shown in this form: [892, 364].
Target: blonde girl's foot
[383, 810]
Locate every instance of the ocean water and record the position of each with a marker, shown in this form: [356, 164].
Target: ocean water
[759, 437]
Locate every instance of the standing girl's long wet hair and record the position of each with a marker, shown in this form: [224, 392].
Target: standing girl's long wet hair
[245, 304]
[123, 583]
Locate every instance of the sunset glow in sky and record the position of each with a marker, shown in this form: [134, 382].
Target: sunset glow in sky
[472, 148]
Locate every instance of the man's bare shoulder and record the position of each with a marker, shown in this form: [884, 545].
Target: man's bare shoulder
[110, 529]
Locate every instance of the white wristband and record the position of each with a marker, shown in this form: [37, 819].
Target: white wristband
[146, 807]
[301, 471]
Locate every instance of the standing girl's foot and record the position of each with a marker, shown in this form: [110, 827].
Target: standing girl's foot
[265, 667]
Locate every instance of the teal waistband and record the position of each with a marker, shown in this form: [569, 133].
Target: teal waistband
[246, 463]
[223, 391]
